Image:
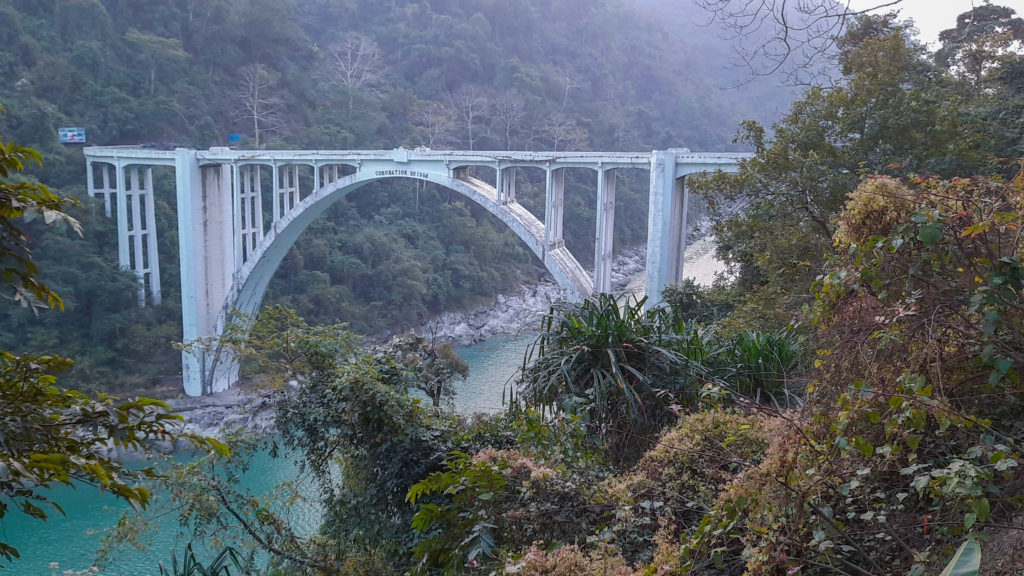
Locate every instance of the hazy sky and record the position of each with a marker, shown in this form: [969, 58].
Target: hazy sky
[933, 16]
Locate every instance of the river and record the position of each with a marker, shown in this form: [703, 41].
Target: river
[63, 543]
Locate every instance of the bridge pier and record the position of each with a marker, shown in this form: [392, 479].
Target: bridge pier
[206, 246]
[603, 250]
[554, 207]
[666, 224]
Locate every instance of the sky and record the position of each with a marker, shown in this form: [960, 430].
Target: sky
[934, 16]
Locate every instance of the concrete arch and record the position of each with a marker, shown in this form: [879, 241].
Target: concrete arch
[251, 281]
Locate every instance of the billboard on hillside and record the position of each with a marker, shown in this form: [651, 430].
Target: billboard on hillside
[71, 135]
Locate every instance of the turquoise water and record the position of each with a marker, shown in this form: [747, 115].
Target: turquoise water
[71, 541]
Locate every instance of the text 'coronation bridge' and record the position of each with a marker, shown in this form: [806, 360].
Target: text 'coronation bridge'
[230, 246]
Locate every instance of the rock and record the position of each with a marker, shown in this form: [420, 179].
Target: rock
[510, 313]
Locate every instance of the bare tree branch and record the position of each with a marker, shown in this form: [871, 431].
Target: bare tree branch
[790, 37]
[354, 64]
[257, 105]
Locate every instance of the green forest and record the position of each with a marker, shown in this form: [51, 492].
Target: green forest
[849, 402]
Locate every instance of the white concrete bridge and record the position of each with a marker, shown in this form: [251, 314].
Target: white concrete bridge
[228, 254]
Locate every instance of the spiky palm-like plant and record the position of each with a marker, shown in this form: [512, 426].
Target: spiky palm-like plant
[622, 368]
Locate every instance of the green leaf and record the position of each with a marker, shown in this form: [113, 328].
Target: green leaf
[982, 509]
[930, 234]
[969, 519]
[966, 561]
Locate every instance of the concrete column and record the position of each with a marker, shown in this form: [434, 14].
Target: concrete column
[153, 260]
[276, 183]
[107, 191]
[238, 234]
[554, 207]
[207, 266]
[506, 185]
[137, 233]
[124, 259]
[603, 246]
[666, 226]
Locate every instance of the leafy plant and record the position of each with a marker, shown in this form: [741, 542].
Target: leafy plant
[966, 561]
[191, 566]
[615, 365]
[461, 531]
[759, 364]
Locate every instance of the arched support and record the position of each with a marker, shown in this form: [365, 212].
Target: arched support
[214, 370]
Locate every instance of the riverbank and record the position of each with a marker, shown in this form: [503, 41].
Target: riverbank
[522, 310]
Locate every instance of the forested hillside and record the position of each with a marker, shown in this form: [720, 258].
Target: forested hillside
[480, 74]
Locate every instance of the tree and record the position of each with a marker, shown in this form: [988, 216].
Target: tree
[434, 122]
[155, 51]
[563, 132]
[355, 65]
[982, 38]
[427, 366]
[23, 199]
[892, 114]
[258, 106]
[51, 435]
[508, 111]
[771, 34]
[471, 104]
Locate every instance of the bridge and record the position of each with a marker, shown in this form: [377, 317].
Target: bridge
[231, 243]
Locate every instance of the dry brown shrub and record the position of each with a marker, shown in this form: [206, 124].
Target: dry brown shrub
[876, 207]
[571, 561]
[675, 483]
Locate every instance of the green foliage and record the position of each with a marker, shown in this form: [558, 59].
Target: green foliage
[692, 303]
[278, 346]
[676, 482]
[618, 367]
[57, 436]
[966, 561]
[759, 364]
[461, 532]
[23, 200]
[893, 113]
[191, 566]
[932, 271]
[427, 366]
